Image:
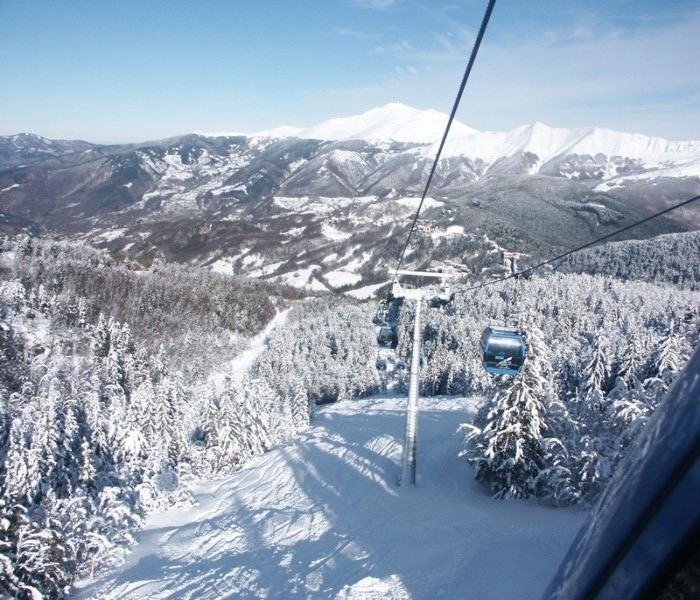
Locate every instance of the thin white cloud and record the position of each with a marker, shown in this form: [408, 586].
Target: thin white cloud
[355, 33]
[401, 47]
[373, 4]
[407, 71]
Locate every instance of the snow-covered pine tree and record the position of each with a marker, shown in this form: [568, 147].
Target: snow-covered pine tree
[593, 468]
[632, 360]
[258, 403]
[17, 532]
[46, 434]
[209, 416]
[171, 390]
[282, 421]
[87, 470]
[597, 370]
[628, 410]
[66, 473]
[83, 313]
[300, 405]
[101, 337]
[225, 432]
[665, 363]
[9, 584]
[22, 474]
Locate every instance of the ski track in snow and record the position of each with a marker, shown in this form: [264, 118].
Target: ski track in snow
[323, 517]
[240, 365]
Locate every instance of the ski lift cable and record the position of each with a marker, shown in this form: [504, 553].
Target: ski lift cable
[588, 245]
[472, 58]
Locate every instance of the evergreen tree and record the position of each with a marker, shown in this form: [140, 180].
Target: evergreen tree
[632, 360]
[666, 361]
[597, 370]
[301, 409]
[593, 467]
[101, 337]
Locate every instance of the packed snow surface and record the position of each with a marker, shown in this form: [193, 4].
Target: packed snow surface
[319, 204]
[414, 203]
[451, 231]
[303, 278]
[342, 277]
[366, 292]
[109, 236]
[241, 364]
[323, 517]
[333, 233]
[224, 266]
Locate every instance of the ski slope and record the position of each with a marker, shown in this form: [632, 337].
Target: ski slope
[242, 363]
[323, 517]
[240, 366]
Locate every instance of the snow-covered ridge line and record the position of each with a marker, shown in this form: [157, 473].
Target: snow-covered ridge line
[400, 123]
[549, 142]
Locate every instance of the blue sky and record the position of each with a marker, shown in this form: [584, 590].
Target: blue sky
[132, 70]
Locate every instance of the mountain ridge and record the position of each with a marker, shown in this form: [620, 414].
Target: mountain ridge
[400, 123]
[331, 213]
[396, 122]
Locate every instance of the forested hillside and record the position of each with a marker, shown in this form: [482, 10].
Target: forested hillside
[326, 352]
[331, 212]
[602, 354]
[108, 402]
[671, 258]
[194, 314]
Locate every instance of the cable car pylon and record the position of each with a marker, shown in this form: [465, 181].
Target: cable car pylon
[410, 444]
[408, 462]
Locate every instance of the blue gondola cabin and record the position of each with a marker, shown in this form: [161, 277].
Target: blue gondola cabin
[387, 337]
[504, 350]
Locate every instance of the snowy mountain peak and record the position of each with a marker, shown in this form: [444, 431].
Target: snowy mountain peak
[27, 139]
[391, 122]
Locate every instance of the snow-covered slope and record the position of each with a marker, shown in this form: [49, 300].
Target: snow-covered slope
[550, 142]
[323, 517]
[679, 170]
[27, 148]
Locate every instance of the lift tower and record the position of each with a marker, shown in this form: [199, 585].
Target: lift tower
[408, 461]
